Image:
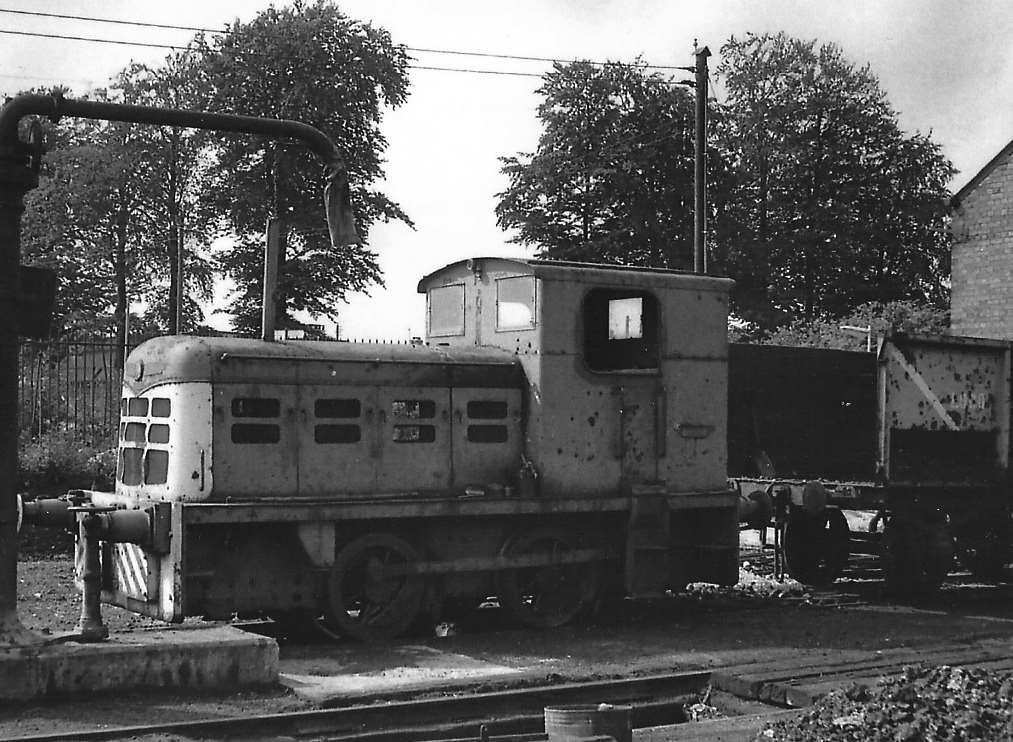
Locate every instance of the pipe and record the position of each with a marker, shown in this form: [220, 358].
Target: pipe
[47, 513]
[755, 509]
[56, 106]
[90, 627]
[337, 199]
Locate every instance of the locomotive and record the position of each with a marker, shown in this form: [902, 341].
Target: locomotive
[559, 438]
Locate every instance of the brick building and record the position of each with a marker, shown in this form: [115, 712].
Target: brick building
[981, 303]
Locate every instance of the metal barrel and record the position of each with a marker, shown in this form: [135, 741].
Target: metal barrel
[588, 721]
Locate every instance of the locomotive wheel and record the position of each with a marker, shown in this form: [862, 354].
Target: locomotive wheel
[917, 553]
[549, 595]
[304, 626]
[369, 596]
[983, 546]
[816, 547]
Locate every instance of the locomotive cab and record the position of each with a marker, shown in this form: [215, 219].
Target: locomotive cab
[625, 367]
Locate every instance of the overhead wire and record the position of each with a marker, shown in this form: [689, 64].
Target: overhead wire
[421, 50]
[179, 47]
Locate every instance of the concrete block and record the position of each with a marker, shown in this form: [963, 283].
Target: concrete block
[180, 658]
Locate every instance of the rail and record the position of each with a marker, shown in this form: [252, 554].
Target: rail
[657, 700]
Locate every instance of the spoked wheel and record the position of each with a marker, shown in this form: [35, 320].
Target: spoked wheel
[370, 594]
[816, 547]
[917, 553]
[549, 594]
[983, 546]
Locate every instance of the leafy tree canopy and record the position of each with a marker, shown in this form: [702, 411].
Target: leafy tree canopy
[833, 205]
[612, 177]
[82, 220]
[310, 63]
[881, 318]
[819, 202]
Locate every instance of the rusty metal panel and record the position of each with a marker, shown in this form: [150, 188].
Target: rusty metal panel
[638, 401]
[694, 447]
[487, 436]
[339, 440]
[944, 409]
[574, 430]
[413, 447]
[255, 441]
[601, 431]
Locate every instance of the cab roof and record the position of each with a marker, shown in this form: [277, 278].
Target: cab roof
[564, 269]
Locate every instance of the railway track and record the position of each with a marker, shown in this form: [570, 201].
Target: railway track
[657, 700]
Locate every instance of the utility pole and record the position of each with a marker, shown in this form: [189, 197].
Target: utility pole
[700, 161]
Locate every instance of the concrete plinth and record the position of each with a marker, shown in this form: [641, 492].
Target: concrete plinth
[180, 659]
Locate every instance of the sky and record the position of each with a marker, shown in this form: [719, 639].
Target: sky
[946, 67]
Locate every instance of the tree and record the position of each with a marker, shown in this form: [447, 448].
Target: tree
[311, 63]
[177, 210]
[612, 177]
[881, 318]
[833, 204]
[52, 237]
[83, 221]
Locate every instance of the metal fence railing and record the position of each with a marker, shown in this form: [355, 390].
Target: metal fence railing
[72, 386]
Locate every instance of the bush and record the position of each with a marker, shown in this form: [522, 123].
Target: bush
[58, 460]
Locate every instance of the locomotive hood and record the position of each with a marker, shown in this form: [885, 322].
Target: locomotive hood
[189, 358]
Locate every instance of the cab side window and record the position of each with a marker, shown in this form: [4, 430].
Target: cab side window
[621, 330]
[446, 311]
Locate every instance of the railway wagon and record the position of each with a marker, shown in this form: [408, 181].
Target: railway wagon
[918, 432]
[559, 436]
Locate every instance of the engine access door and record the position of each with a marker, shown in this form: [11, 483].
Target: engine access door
[339, 440]
[487, 436]
[255, 440]
[414, 443]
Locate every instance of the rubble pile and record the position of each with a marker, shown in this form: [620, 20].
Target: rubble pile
[751, 586]
[941, 704]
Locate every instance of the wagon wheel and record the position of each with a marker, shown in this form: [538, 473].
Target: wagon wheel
[816, 547]
[546, 595]
[370, 596]
[917, 553]
[983, 546]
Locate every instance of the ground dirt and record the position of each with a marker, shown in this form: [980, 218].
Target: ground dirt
[706, 628]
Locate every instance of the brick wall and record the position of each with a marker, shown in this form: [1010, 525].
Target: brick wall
[981, 303]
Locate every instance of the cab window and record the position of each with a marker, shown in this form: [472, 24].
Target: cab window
[515, 303]
[446, 311]
[620, 330]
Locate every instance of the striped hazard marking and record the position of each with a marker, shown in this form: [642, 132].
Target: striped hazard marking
[130, 570]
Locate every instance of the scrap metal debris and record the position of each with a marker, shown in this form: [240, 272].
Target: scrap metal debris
[941, 704]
